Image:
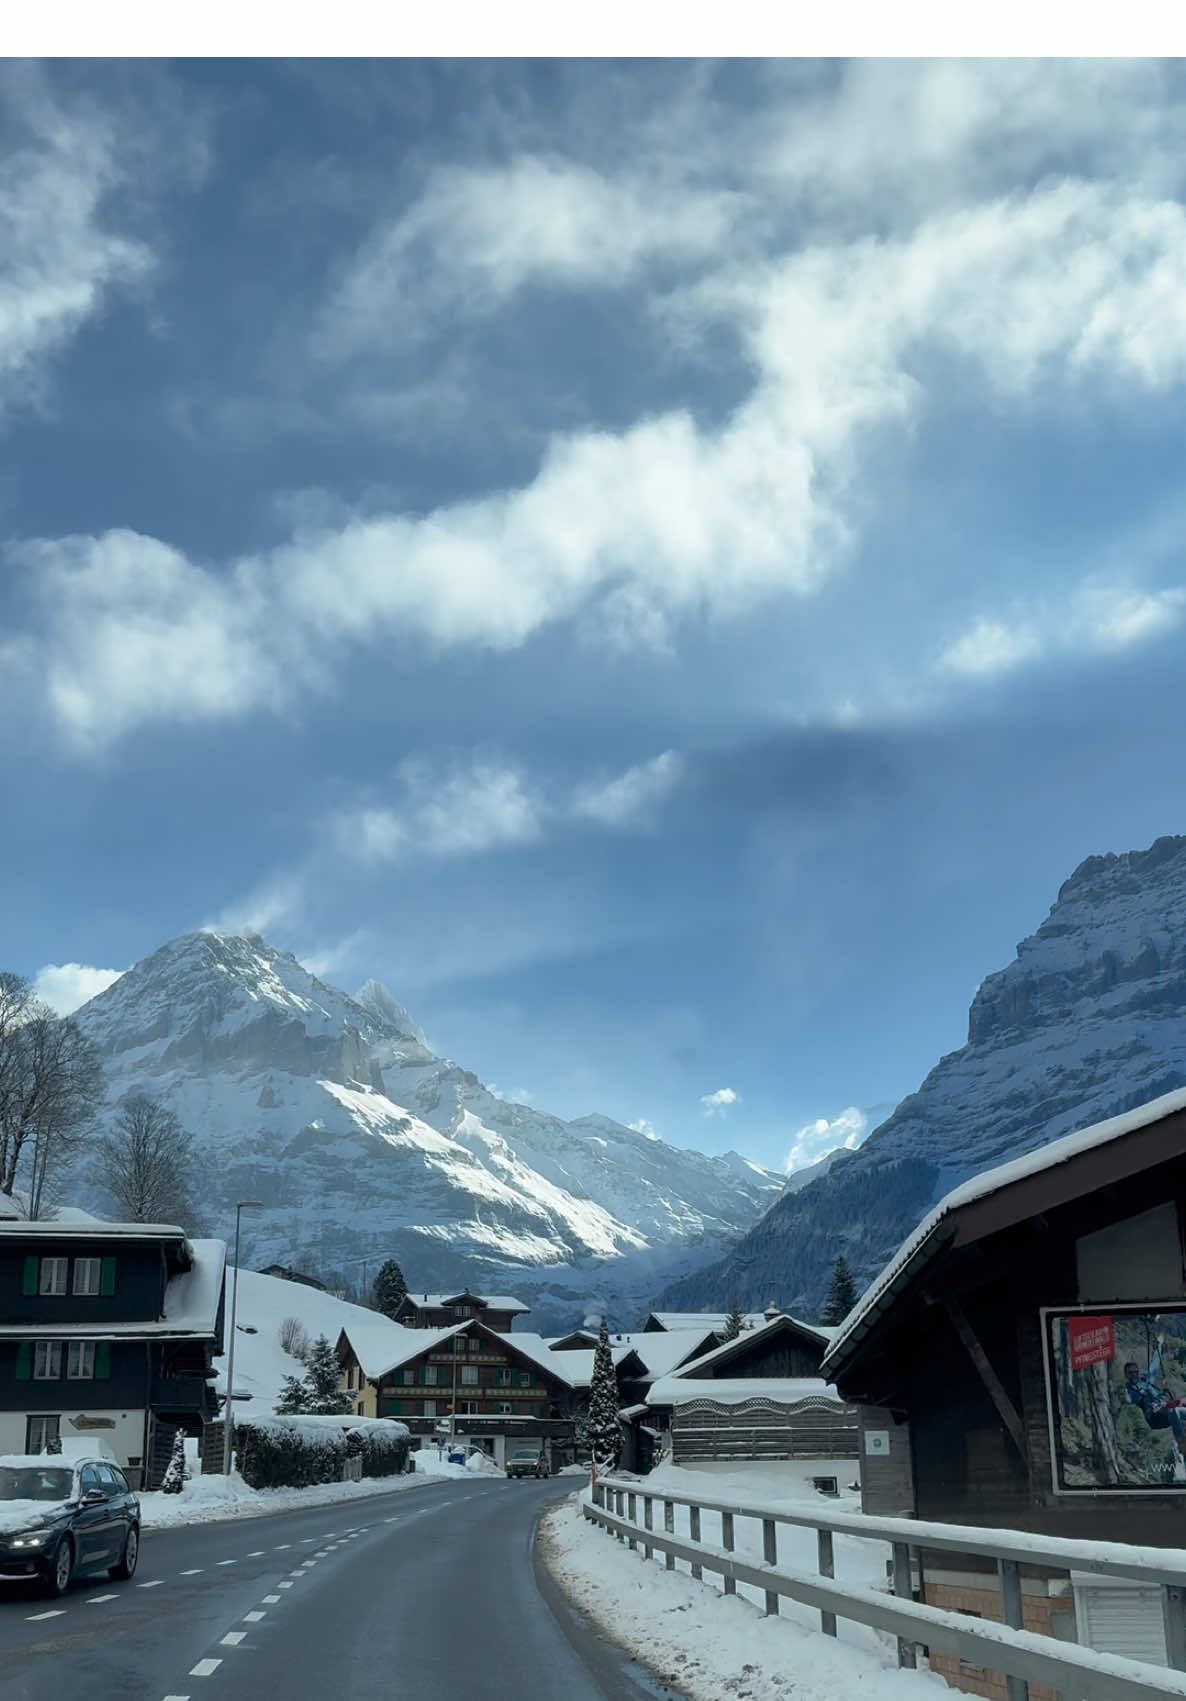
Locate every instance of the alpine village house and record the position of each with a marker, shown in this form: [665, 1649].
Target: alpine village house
[107, 1330]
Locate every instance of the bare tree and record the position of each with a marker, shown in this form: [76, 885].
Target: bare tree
[146, 1163]
[50, 1084]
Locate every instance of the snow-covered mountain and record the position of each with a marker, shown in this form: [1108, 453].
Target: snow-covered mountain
[363, 1144]
[1088, 1021]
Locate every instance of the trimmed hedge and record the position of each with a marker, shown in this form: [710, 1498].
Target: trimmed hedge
[295, 1452]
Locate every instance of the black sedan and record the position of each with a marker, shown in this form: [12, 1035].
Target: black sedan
[59, 1519]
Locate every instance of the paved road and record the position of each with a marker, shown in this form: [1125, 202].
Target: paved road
[428, 1594]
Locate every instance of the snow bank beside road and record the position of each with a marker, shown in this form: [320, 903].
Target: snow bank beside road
[713, 1645]
[205, 1500]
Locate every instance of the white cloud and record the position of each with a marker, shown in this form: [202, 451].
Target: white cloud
[632, 797]
[634, 533]
[642, 1126]
[65, 986]
[816, 1139]
[59, 259]
[483, 806]
[277, 902]
[1113, 617]
[716, 1104]
[989, 648]
[477, 234]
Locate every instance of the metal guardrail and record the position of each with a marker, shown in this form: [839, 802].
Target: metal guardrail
[1022, 1655]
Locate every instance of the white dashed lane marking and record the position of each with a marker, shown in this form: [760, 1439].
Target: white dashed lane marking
[271, 1600]
[253, 1617]
[286, 1585]
[54, 1612]
[93, 1600]
[258, 1554]
[155, 1584]
[282, 1547]
[232, 1638]
[228, 1562]
[175, 1698]
[205, 1668]
[195, 1572]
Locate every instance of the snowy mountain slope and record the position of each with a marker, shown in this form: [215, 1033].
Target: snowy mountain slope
[362, 1143]
[1087, 1021]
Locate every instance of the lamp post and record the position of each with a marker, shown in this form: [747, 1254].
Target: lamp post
[227, 1419]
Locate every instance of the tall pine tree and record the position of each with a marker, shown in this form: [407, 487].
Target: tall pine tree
[294, 1397]
[389, 1290]
[842, 1294]
[602, 1428]
[326, 1396]
[733, 1322]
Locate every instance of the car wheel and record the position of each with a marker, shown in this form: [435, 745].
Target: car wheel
[127, 1565]
[61, 1567]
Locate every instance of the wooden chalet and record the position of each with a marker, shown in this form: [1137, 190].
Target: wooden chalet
[441, 1310]
[760, 1396]
[1021, 1362]
[468, 1380]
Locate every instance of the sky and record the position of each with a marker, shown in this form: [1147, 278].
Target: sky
[667, 565]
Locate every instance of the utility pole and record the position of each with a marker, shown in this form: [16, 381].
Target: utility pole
[228, 1426]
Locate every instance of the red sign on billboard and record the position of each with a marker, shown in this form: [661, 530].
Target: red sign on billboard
[1092, 1340]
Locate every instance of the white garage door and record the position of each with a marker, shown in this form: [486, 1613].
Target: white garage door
[1115, 1617]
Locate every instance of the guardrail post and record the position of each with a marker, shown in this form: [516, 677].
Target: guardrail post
[648, 1518]
[632, 1514]
[669, 1527]
[827, 1568]
[1173, 1608]
[1016, 1688]
[694, 1521]
[770, 1555]
[727, 1544]
[904, 1588]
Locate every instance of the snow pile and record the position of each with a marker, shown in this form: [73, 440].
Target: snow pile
[207, 1500]
[712, 1645]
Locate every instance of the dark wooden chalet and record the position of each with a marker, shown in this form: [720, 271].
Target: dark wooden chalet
[107, 1330]
[1022, 1363]
[441, 1310]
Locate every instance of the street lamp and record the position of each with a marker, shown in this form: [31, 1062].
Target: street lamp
[227, 1421]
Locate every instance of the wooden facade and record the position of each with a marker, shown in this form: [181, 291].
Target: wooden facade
[442, 1310]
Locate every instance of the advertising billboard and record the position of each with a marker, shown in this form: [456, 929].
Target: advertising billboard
[1117, 1388]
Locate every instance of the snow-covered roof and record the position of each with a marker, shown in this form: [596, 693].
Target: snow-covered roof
[191, 1307]
[770, 1326]
[702, 1319]
[662, 1350]
[380, 1345]
[94, 1228]
[933, 1229]
[734, 1390]
[575, 1367]
[496, 1301]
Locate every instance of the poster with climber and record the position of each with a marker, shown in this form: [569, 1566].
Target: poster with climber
[1117, 1381]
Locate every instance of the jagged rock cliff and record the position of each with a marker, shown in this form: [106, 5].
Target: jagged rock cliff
[1087, 1021]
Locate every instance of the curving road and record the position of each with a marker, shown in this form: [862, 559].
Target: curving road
[428, 1594]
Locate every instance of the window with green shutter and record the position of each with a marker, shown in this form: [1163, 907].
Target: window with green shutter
[24, 1358]
[31, 1267]
[103, 1356]
[107, 1277]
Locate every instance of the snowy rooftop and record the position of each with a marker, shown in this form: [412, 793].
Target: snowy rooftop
[662, 1350]
[380, 1345]
[702, 1319]
[79, 1223]
[981, 1187]
[734, 1390]
[496, 1301]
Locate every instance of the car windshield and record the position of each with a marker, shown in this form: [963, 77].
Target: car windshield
[34, 1482]
[526, 1453]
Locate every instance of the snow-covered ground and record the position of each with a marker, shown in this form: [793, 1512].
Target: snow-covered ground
[206, 1499]
[714, 1645]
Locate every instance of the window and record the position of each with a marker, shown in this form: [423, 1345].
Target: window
[86, 1275]
[432, 1375]
[392, 1408]
[118, 1477]
[80, 1361]
[469, 1375]
[467, 1408]
[525, 1379]
[41, 1428]
[502, 1378]
[47, 1361]
[108, 1478]
[53, 1275]
[503, 1406]
[430, 1408]
[90, 1479]
[407, 1378]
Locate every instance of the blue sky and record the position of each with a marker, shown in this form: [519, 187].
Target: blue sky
[668, 566]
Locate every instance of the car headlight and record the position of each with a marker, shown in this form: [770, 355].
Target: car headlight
[31, 1538]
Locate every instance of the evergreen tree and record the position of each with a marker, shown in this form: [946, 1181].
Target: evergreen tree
[326, 1397]
[294, 1397]
[389, 1289]
[176, 1473]
[734, 1322]
[602, 1428]
[842, 1294]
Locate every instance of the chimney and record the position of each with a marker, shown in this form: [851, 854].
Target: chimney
[771, 1312]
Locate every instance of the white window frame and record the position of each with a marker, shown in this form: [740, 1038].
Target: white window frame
[504, 1408]
[40, 1429]
[88, 1276]
[47, 1361]
[53, 1277]
[432, 1376]
[469, 1376]
[80, 1361]
[430, 1408]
